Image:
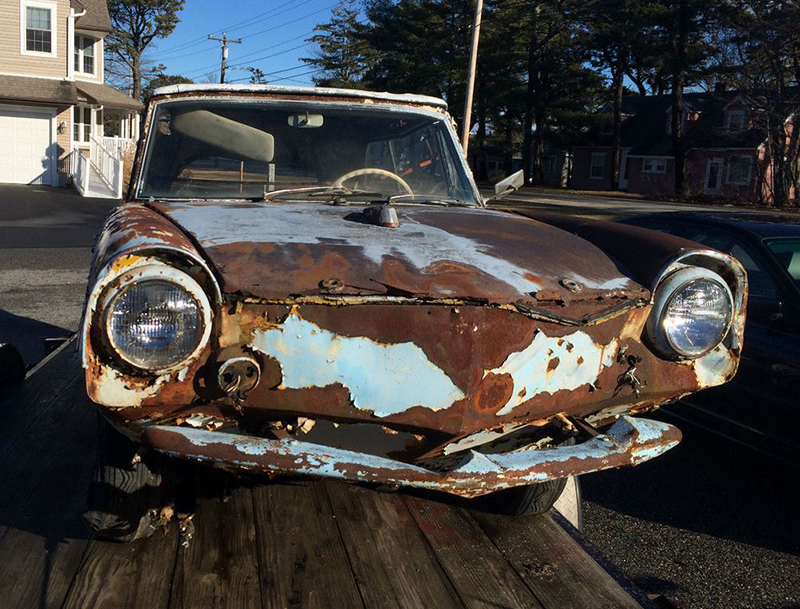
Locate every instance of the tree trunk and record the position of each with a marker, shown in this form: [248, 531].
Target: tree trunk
[482, 172]
[680, 40]
[136, 74]
[618, 85]
[508, 157]
[538, 145]
[527, 122]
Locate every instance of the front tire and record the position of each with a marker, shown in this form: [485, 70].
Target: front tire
[123, 496]
[523, 500]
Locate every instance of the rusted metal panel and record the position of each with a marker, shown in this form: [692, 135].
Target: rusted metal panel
[628, 442]
[274, 250]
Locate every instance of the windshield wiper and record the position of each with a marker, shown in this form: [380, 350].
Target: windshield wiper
[318, 191]
[427, 200]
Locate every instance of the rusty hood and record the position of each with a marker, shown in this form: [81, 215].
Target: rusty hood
[280, 250]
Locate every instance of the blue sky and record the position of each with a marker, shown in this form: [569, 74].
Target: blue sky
[273, 34]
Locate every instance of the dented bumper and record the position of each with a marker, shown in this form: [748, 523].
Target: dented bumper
[629, 441]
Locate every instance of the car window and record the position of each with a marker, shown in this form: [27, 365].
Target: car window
[237, 148]
[787, 253]
[760, 283]
[417, 158]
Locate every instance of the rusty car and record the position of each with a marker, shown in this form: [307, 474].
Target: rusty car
[308, 282]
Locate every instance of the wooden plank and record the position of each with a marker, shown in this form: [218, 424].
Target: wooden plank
[302, 557]
[555, 567]
[219, 568]
[32, 455]
[393, 564]
[21, 406]
[135, 574]
[483, 577]
[43, 547]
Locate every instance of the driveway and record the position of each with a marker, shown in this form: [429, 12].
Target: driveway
[46, 237]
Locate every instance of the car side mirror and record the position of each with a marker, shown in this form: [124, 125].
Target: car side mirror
[508, 185]
[764, 309]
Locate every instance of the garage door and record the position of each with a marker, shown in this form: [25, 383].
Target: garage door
[25, 151]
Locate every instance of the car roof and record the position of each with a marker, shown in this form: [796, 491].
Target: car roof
[762, 225]
[406, 98]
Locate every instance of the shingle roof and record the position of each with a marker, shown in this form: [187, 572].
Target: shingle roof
[48, 90]
[25, 88]
[106, 96]
[96, 17]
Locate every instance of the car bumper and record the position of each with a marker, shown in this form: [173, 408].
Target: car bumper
[629, 441]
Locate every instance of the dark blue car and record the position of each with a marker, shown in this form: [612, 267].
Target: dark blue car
[761, 406]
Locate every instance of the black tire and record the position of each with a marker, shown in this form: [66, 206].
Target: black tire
[522, 500]
[123, 496]
[531, 499]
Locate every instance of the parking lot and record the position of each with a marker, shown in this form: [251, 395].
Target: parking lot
[710, 524]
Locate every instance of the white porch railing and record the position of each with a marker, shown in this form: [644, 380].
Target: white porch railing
[78, 169]
[116, 145]
[108, 165]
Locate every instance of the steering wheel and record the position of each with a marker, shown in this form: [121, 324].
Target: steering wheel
[373, 170]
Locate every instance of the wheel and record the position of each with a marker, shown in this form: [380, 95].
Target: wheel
[522, 500]
[123, 496]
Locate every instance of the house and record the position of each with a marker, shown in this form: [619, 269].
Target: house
[725, 155]
[54, 106]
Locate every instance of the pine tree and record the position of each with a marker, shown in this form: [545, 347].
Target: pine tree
[135, 24]
[342, 55]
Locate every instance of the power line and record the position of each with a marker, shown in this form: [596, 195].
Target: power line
[294, 76]
[255, 19]
[205, 68]
[224, 40]
[271, 73]
[271, 55]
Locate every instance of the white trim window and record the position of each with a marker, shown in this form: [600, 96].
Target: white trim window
[597, 169]
[734, 121]
[740, 170]
[81, 124]
[38, 28]
[654, 165]
[84, 56]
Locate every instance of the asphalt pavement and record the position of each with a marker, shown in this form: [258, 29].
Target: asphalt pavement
[46, 237]
[710, 524]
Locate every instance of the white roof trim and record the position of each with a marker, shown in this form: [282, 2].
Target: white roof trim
[324, 91]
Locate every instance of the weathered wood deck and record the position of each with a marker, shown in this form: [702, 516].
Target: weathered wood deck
[308, 544]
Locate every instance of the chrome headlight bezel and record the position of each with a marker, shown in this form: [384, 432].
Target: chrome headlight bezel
[164, 273]
[667, 290]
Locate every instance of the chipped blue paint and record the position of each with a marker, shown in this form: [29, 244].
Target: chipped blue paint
[714, 367]
[580, 362]
[386, 379]
[628, 442]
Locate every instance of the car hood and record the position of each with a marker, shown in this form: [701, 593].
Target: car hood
[279, 250]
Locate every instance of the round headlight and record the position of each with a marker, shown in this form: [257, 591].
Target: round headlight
[155, 324]
[694, 309]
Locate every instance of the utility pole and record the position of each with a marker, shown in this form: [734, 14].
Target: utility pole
[225, 42]
[473, 62]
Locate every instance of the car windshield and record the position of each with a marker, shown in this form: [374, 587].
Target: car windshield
[787, 253]
[212, 149]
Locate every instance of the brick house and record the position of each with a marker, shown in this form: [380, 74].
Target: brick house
[724, 150]
[53, 103]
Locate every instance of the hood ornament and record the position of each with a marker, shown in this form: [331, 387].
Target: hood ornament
[383, 215]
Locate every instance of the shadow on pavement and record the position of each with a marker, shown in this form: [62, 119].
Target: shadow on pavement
[711, 486]
[28, 335]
